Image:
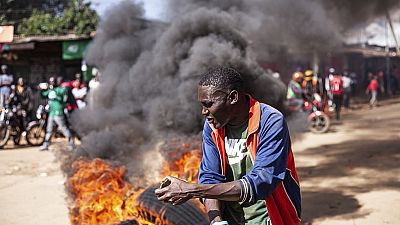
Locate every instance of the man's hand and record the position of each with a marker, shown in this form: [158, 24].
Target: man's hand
[174, 190]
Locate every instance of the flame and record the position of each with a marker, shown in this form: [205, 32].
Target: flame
[185, 168]
[103, 196]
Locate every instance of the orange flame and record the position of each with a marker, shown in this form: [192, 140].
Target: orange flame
[103, 196]
[185, 168]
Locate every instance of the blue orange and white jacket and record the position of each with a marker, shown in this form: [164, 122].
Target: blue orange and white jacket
[273, 177]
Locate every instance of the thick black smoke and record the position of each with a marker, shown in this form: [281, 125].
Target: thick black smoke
[149, 76]
[150, 70]
[301, 27]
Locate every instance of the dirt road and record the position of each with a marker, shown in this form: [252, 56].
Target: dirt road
[351, 174]
[31, 188]
[348, 176]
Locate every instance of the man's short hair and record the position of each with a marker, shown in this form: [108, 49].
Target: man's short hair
[225, 78]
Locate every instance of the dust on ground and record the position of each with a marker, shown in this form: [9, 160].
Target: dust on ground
[351, 174]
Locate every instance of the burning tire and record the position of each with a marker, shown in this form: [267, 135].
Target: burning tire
[154, 211]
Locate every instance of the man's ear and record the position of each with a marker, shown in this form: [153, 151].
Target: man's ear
[233, 97]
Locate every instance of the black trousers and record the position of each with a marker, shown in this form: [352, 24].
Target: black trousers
[337, 100]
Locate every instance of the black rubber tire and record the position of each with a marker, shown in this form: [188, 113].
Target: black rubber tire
[35, 134]
[4, 135]
[184, 214]
[319, 123]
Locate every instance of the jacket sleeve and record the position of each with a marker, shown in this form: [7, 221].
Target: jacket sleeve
[271, 157]
[210, 166]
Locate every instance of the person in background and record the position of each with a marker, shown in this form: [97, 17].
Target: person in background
[372, 88]
[95, 81]
[80, 92]
[394, 84]
[247, 173]
[14, 104]
[327, 82]
[354, 83]
[56, 100]
[336, 86]
[25, 95]
[295, 91]
[70, 101]
[346, 90]
[74, 83]
[6, 79]
[381, 81]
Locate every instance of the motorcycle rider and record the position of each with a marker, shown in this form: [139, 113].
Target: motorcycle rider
[56, 100]
[295, 92]
[310, 86]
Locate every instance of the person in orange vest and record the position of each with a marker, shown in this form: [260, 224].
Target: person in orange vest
[295, 92]
[247, 173]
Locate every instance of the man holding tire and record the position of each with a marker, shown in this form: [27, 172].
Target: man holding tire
[247, 173]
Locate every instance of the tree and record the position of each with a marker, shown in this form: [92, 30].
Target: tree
[56, 17]
[14, 11]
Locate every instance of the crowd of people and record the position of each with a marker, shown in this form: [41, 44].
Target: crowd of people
[333, 92]
[62, 98]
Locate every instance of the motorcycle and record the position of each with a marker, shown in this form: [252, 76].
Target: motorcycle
[318, 120]
[36, 130]
[10, 125]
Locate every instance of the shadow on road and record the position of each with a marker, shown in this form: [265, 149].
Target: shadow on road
[372, 164]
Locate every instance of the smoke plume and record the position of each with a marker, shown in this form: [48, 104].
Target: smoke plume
[150, 70]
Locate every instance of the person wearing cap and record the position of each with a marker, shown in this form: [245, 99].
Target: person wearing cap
[247, 173]
[295, 91]
[6, 79]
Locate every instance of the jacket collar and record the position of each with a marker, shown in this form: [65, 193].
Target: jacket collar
[254, 118]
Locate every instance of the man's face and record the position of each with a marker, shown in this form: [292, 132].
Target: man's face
[215, 105]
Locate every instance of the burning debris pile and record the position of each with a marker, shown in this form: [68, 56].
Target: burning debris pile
[147, 96]
[103, 195]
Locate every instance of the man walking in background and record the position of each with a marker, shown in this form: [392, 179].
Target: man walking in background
[372, 88]
[336, 85]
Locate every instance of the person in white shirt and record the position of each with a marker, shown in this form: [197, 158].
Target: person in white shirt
[6, 79]
[346, 89]
[80, 92]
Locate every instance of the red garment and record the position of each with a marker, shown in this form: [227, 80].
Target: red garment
[373, 85]
[74, 84]
[336, 85]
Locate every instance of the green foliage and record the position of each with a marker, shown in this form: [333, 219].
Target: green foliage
[74, 17]
[14, 11]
